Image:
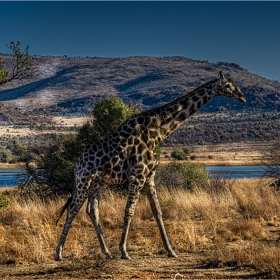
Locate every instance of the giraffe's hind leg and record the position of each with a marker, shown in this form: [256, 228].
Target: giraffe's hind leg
[135, 188]
[152, 196]
[93, 212]
[73, 209]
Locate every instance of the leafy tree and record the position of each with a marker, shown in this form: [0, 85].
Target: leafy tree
[53, 172]
[21, 65]
[108, 114]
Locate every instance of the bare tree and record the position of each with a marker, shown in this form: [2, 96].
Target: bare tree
[21, 65]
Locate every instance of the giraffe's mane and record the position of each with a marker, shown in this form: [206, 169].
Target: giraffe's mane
[179, 98]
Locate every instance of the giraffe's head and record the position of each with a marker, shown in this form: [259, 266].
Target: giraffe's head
[226, 87]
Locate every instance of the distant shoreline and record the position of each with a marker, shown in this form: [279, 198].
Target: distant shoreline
[11, 166]
[6, 166]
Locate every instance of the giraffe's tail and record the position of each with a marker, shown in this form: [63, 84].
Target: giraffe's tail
[63, 208]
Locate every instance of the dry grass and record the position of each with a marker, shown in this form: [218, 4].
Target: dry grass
[237, 224]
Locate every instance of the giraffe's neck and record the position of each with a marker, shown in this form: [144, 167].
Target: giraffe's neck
[167, 118]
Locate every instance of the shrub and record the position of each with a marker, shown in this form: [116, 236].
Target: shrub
[5, 156]
[179, 154]
[17, 149]
[187, 151]
[4, 202]
[182, 175]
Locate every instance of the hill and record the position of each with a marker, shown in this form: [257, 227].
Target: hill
[71, 86]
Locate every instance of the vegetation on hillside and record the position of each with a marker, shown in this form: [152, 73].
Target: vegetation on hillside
[226, 127]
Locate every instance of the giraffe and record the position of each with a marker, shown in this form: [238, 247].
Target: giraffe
[128, 156]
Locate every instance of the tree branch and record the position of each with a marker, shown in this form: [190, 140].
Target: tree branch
[21, 64]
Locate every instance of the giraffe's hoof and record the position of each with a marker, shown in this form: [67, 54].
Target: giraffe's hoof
[172, 255]
[58, 253]
[125, 257]
[58, 258]
[109, 256]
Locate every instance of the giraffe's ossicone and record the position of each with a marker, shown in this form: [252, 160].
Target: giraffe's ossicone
[128, 156]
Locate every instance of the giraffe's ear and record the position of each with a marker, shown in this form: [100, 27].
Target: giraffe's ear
[222, 75]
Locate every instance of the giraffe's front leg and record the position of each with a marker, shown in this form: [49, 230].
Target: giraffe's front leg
[133, 195]
[152, 195]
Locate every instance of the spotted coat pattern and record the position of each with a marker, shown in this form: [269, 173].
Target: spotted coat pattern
[128, 156]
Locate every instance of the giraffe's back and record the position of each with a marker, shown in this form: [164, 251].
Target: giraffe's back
[113, 159]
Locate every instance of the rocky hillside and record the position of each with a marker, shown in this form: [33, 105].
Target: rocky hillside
[71, 86]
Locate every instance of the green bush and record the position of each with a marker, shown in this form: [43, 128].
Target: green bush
[17, 149]
[4, 202]
[13, 161]
[5, 156]
[179, 154]
[187, 151]
[185, 175]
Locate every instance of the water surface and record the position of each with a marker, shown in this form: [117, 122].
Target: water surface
[10, 177]
[237, 171]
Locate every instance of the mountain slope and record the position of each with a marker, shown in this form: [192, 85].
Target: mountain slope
[73, 85]
[146, 80]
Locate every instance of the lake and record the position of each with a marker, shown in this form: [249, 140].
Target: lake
[10, 177]
[237, 171]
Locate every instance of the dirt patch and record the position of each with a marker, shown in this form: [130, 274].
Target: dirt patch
[142, 266]
[11, 166]
[70, 121]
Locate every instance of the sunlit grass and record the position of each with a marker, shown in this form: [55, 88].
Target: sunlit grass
[234, 220]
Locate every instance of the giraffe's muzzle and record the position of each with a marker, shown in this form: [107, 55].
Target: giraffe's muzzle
[242, 99]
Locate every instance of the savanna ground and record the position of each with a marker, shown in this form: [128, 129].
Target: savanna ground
[231, 229]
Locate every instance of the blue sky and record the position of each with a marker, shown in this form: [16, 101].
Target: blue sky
[246, 33]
